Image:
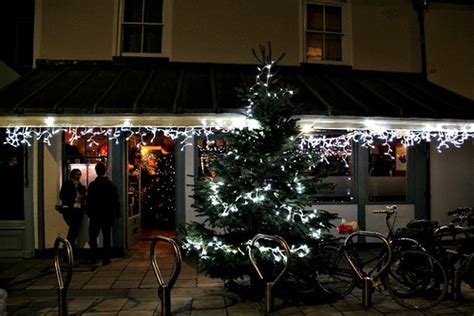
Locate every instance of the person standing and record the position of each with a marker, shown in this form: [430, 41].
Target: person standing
[72, 196]
[102, 208]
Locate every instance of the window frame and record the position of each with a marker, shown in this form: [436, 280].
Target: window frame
[165, 31]
[346, 32]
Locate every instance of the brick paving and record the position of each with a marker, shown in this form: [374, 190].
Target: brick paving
[128, 287]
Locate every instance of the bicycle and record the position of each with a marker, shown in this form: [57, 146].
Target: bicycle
[332, 277]
[451, 244]
[413, 277]
[463, 216]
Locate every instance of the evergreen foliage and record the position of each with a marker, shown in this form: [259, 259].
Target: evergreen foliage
[264, 185]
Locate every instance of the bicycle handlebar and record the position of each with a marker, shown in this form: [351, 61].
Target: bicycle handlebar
[390, 212]
[460, 211]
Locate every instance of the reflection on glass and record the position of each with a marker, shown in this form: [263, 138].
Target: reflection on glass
[314, 19]
[333, 48]
[82, 149]
[132, 11]
[207, 148]
[153, 11]
[132, 38]
[152, 39]
[337, 175]
[333, 19]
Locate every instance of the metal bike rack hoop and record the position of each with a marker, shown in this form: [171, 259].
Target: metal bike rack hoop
[368, 278]
[63, 284]
[269, 299]
[164, 290]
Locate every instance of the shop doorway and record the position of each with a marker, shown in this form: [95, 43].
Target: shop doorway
[151, 185]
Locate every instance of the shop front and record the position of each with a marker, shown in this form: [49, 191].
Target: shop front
[378, 142]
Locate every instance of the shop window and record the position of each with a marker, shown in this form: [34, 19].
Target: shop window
[12, 173]
[336, 175]
[206, 148]
[326, 29]
[142, 27]
[387, 172]
[151, 181]
[85, 152]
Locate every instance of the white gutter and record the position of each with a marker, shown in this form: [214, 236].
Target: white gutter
[307, 122]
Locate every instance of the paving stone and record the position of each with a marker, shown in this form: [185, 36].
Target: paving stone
[110, 305]
[121, 288]
[127, 284]
[131, 276]
[141, 305]
[135, 313]
[364, 312]
[185, 283]
[109, 273]
[322, 309]
[208, 303]
[100, 283]
[208, 312]
[143, 294]
[407, 313]
[76, 304]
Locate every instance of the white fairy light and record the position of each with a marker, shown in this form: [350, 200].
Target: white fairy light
[203, 248]
[323, 145]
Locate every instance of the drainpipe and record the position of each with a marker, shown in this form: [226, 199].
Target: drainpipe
[420, 7]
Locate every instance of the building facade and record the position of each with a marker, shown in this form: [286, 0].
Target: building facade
[167, 63]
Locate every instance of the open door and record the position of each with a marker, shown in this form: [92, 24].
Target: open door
[151, 187]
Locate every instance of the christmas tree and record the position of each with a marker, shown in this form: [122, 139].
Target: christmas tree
[264, 185]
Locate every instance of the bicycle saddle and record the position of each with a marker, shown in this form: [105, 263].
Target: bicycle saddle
[422, 224]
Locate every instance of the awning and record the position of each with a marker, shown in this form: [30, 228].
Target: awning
[184, 94]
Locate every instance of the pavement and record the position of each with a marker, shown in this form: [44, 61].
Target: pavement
[128, 286]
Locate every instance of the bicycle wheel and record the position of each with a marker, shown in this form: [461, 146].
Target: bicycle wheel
[416, 279]
[336, 277]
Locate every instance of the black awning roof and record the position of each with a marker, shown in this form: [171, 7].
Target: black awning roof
[174, 88]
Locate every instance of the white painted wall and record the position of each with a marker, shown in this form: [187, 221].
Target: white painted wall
[190, 215]
[452, 180]
[376, 222]
[344, 211]
[449, 49]
[54, 224]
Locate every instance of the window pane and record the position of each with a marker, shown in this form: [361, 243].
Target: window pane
[132, 11]
[12, 174]
[82, 153]
[82, 149]
[206, 150]
[314, 46]
[132, 37]
[387, 172]
[333, 47]
[333, 19]
[154, 11]
[314, 17]
[337, 175]
[152, 39]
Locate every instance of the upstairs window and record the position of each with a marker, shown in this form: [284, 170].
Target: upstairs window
[142, 27]
[324, 32]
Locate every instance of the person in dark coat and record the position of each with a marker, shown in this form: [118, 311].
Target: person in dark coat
[72, 196]
[102, 208]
